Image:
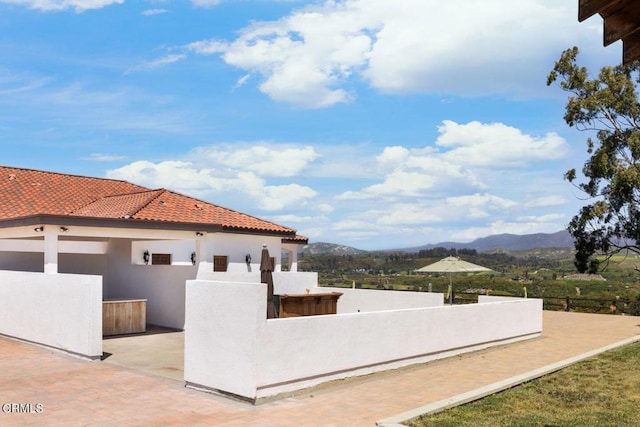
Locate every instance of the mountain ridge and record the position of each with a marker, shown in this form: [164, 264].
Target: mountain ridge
[504, 241]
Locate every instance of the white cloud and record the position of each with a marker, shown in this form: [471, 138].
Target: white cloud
[552, 217]
[58, 5]
[312, 57]
[12, 82]
[545, 201]
[325, 208]
[241, 81]
[152, 12]
[471, 180]
[396, 184]
[207, 47]
[225, 183]
[205, 3]
[269, 160]
[102, 157]
[175, 175]
[492, 144]
[156, 63]
[412, 195]
[448, 210]
[466, 159]
[279, 197]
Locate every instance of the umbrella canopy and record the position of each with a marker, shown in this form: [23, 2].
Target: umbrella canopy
[452, 265]
[266, 276]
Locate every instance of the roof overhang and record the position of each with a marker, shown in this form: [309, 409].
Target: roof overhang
[298, 240]
[621, 22]
[131, 224]
[105, 223]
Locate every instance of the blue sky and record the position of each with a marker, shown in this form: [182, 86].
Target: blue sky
[371, 123]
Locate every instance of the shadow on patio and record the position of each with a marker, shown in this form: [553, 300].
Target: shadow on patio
[159, 352]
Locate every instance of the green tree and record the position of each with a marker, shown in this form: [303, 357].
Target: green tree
[608, 107]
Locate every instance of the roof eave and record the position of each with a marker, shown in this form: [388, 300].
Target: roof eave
[106, 223]
[135, 223]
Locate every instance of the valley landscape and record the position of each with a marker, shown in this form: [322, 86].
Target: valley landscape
[537, 265]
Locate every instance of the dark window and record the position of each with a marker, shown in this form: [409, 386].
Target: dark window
[161, 259]
[219, 263]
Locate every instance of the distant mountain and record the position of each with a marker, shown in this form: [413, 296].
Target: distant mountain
[322, 248]
[506, 242]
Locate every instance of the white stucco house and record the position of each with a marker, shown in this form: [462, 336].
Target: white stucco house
[69, 243]
[55, 223]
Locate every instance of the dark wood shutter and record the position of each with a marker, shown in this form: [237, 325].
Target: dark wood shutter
[161, 259]
[220, 263]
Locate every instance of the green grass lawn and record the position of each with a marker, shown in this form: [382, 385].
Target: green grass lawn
[601, 391]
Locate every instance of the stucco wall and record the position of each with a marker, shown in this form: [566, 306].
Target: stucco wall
[22, 261]
[96, 265]
[161, 285]
[364, 300]
[222, 327]
[63, 311]
[236, 247]
[296, 352]
[293, 353]
[283, 282]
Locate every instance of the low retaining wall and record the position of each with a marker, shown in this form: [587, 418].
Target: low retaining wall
[231, 347]
[289, 282]
[366, 300]
[63, 311]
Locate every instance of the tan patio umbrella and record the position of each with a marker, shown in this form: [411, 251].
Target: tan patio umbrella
[266, 276]
[452, 265]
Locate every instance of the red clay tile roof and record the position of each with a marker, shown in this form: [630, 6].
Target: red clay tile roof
[120, 206]
[26, 192]
[299, 239]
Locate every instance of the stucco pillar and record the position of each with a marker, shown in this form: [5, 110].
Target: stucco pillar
[293, 260]
[50, 251]
[292, 250]
[201, 255]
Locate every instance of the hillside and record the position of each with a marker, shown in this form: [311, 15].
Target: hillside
[505, 242]
[322, 248]
[508, 242]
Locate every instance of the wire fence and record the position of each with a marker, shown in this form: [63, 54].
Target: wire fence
[580, 304]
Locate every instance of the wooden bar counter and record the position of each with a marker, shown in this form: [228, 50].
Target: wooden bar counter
[309, 304]
[121, 317]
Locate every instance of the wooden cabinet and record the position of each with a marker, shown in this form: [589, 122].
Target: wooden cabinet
[121, 317]
[309, 304]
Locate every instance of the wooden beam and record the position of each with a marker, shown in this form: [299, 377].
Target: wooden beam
[631, 48]
[621, 24]
[588, 8]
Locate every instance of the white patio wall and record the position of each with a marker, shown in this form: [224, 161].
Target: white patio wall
[364, 300]
[231, 347]
[63, 311]
[288, 282]
[223, 323]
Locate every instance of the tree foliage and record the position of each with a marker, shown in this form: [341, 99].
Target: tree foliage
[608, 107]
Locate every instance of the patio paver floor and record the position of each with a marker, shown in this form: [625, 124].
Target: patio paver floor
[79, 392]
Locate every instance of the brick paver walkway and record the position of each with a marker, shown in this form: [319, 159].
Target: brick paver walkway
[77, 392]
